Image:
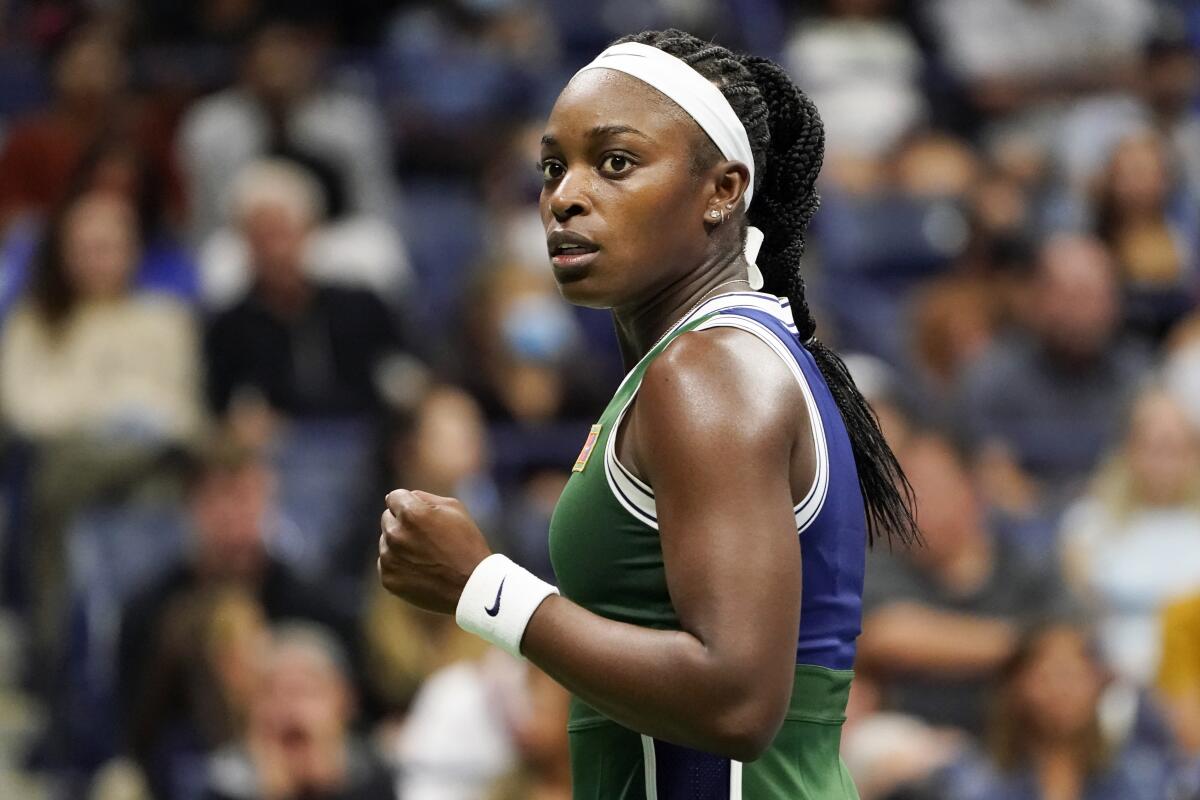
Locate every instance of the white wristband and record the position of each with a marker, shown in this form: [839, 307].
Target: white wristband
[498, 601]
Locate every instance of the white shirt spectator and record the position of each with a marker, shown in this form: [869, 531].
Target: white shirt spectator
[224, 132]
[1009, 38]
[1133, 568]
[457, 739]
[863, 76]
[128, 367]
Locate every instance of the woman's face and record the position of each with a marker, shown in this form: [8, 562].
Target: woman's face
[620, 179]
[1138, 175]
[302, 702]
[1163, 450]
[100, 247]
[1059, 686]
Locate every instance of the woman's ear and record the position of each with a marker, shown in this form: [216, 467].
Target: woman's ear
[730, 179]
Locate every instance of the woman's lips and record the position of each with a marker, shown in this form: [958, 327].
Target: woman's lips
[573, 260]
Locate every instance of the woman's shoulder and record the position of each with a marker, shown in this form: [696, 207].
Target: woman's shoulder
[1087, 522]
[721, 353]
[24, 323]
[161, 308]
[23, 313]
[721, 373]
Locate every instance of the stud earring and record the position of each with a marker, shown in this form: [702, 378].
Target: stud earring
[714, 214]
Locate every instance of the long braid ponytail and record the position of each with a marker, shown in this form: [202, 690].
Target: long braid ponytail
[788, 141]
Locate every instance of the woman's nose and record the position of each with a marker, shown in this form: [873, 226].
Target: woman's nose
[568, 198]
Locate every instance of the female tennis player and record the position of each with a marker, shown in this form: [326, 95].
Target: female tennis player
[711, 540]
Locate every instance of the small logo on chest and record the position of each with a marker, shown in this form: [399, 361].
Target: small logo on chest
[588, 446]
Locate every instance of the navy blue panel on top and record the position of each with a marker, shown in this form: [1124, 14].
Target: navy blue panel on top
[686, 774]
[833, 547]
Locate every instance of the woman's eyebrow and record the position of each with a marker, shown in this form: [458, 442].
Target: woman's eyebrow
[598, 132]
[613, 130]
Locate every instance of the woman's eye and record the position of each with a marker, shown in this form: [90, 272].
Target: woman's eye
[615, 163]
[551, 170]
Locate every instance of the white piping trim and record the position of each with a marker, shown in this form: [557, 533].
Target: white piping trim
[637, 499]
[763, 301]
[735, 780]
[651, 767]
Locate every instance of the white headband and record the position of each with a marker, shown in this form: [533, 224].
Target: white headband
[703, 102]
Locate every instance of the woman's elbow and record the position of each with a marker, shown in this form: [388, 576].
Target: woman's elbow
[746, 731]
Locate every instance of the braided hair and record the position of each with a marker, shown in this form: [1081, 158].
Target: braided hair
[787, 140]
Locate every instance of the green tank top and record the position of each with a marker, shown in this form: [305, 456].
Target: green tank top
[607, 557]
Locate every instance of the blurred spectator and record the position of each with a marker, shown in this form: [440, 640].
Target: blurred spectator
[103, 380]
[437, 443]
[941, 619]
[1170, 86]
[404, 646]
[1015, 55]
[199, 683]
[863, 70]
[1134, 542]
[955, 321]
[460, 76]
[443, 450]
[886, 227]
[85, 354]
[304, 346]
[541, 737]
[117, 165]
[280, 109]
[298, 743]
[1047, 738]
[521, 338]
[458, 738]
[237, 537]
[892, 755]
[1003, 216]
[1049, 397]
[1179, 670]
[1150, 236]
[114, 165]
[42, 152]
[353, 250]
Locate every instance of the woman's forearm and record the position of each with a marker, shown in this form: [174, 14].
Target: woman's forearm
[666, 684]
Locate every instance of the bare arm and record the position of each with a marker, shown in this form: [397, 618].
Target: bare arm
[714, 429]
[714, 434]
[911, 637]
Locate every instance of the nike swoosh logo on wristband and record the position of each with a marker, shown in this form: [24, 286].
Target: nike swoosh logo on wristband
[495, 609]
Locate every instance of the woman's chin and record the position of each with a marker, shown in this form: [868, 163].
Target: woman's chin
[583, 292]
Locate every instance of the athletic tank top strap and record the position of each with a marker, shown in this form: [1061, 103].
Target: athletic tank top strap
[767, 318]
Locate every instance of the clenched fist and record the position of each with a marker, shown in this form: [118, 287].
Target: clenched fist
[428, 549]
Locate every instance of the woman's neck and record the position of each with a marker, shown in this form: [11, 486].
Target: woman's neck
[642, 324]
[1060, 772]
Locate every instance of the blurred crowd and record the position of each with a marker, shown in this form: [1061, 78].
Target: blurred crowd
[261, 261]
